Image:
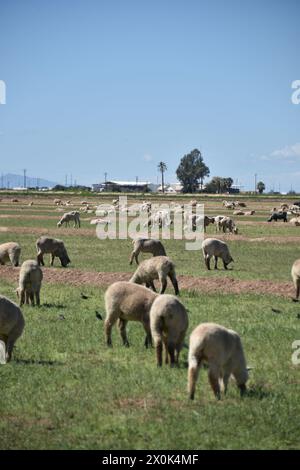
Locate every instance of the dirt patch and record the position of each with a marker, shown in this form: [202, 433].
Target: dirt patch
[224, 285]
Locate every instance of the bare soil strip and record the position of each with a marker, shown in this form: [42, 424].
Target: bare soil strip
[222, 285]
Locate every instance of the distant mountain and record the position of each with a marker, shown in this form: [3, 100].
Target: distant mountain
[17, 181]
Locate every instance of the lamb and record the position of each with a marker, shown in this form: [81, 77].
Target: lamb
[295, 221]
[168, 324]
[53, 246]
[296, 277]
[218, 249]
[278, 216]
[30, 280]
[125, 302]
[217, 220]
[226, 223]
[10, 251]
[11, 324]
[222, 350]
[158, 267]
[146, 245]
[193, 221]
[238, 213]
[68, 217]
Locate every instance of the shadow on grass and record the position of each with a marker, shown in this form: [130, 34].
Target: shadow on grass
[37, 362]
[259, 392]
[53, 305]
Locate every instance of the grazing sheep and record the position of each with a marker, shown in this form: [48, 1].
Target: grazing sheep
[57, 202]
[30, 281]
[218, 249]
[278, 216]
[125, 302]
[158, 267]
[146, 245]
[226, 223]
[30, 204]
[284, 206]
[222, 350]
[10, 251]
[53, 246]
[218, 219]
[193, 221]
[168, 324]
[295, 221]
[238, 213]
[296, 277]
[69, 217]
[11, 324]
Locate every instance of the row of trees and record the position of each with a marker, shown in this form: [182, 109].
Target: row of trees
[191, 173]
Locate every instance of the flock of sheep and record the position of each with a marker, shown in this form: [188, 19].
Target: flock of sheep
[164, 317]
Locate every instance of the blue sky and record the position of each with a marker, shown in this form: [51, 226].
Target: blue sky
[117, 86]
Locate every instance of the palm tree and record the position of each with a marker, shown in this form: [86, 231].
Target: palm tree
[162, 167]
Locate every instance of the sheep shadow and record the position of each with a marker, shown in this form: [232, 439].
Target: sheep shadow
[258, 392]
[38, 362]
[53, 305]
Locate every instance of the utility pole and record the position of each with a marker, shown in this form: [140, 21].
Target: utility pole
[66, 180]
[255, 183]
[105, 177]
[71, 180]
[24, 183]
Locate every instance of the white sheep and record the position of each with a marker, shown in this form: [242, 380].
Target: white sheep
[30, 281]
[158, 267]
[125, 302]
[168, 324]
[296, 277]
[217, 249]
[295, 221]
[68, 217]
[226, 223]
[55, 247]
[10, 251]
[222, 350]
[146, 245]
[11, 324]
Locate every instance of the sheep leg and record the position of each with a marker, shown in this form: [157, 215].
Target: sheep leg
[192, 379]
[216, 262]
[171, 351]
[108, 324]
[297, 289]
[225, 265]
[159, 351]
[148, 339]
[172, 276]
[40, 259]
[37, 298]
[31, 296]
[22, 298]
[163, 282]
[213, 375]
[151, 285]
[52, 259]
[207, 262]
[122, 327]
[166, 351]
[27, 297]
[9, 348]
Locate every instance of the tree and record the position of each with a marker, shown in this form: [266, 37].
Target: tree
[192, 171]
[260, 187]
[162, 168]
[219, 185]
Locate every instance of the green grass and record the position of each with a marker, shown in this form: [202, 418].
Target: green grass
[65, 389]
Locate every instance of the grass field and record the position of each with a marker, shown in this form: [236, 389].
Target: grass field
[64, 389]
